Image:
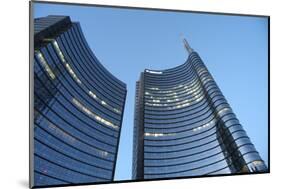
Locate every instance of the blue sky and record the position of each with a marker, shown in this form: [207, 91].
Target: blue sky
[234, 49]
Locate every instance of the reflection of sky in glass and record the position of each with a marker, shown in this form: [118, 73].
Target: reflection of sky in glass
[234, 49]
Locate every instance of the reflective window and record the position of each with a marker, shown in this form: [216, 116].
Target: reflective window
[97, 117]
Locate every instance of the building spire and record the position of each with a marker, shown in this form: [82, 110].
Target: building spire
[186, 45]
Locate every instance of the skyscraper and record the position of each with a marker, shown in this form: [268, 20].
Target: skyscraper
[184, 126]
[78, 107]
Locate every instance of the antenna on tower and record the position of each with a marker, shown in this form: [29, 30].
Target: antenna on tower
[186, 45]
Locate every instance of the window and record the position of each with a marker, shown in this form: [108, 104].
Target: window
[103, 102]
[154, 72]
[223, 110]
[93, 115]
[211, 123]
[159, 134]
[45, 65]
[74, 76]
[68, 67]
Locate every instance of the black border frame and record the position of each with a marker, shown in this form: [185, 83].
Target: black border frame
[134, 8]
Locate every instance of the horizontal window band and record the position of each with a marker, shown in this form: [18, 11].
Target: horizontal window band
[200, 107]
[215, 90]
[88, 78]
[190, 136]
[220, 143]
[79, 139]
[198, 160]
[73, 158]
[70, 93]
[73, 119]
[62, 180]
[62, 141]
[154, 125]
[70, 163]
[54, 54]
[199, 88]
[186, 71]
[185, 143]
[150, 142]
[181, 100]
[152, 139]
[70, 169]
[78, 135]
[170, 72]
[72, 105]
[198, 114]
[229, 164]
[69, 80]
[168, 82]
[189, 78]
[185, 110]
[72, 52]
[188, 155]
[217, 96]
[170, 93]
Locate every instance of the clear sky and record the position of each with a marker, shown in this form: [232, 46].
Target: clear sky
[234, 49]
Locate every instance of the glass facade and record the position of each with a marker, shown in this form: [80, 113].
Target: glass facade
[185, 127]
[78, 107]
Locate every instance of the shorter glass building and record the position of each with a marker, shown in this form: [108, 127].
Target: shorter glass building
[78, 107]
[185, 127]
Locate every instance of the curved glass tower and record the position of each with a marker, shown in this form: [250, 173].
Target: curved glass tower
[78, 107]
[185, 127]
